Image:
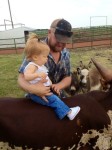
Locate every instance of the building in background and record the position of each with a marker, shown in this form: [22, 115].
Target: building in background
[13, 37]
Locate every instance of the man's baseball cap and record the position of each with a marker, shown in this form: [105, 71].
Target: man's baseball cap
[62, 30]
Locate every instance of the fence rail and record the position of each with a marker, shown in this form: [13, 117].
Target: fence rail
[82, 37]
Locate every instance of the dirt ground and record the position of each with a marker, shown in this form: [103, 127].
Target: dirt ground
[11, 51]
[103, 43]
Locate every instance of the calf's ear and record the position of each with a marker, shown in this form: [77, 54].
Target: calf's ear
[81, 64]
[90, 64]
[78, 70]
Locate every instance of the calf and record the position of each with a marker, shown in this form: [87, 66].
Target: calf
[96, 82]
[86, 79]
[79, 79]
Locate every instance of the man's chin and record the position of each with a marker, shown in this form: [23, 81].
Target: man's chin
[58, 49]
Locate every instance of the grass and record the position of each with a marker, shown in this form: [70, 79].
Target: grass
[104, 56]
[9, 65]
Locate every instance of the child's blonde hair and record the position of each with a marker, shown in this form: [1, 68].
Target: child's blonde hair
[34, 46]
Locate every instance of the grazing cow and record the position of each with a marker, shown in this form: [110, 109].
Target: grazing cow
[25, 123]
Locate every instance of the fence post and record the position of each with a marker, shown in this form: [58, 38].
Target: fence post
[72, 43]
[15, 45]
[111, 38]
[91, 37]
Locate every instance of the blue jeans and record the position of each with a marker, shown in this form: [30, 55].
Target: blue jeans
[60, 108]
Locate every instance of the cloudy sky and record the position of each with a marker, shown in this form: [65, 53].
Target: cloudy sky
[39, 14]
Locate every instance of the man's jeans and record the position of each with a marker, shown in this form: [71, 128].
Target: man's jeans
[60, 108]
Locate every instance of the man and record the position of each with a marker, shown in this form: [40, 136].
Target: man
[58, 64]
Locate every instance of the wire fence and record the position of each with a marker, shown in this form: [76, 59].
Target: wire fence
[92, 37]
[12, 43]
[86, 37]
[100, 36]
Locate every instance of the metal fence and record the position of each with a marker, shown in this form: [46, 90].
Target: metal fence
[12, 43]
[85, 37]
[92, 37]
[82, 38]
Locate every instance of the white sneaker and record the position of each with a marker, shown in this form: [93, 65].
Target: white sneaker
[74, 112]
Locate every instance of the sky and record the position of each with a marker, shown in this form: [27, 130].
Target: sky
[39, 14]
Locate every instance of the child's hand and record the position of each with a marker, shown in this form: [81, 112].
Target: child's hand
[45, 99]
[55, 89]
[42, 75]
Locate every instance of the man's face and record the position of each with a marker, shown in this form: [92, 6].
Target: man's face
[54, 44]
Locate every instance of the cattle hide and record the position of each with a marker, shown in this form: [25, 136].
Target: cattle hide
[25, 123]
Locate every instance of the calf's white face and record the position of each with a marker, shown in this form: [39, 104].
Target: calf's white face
[84, 76]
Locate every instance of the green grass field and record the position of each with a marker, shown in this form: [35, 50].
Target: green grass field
[9, 65]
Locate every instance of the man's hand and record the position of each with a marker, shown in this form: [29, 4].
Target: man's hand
[61, 85]
[56, 88]
[40, 90]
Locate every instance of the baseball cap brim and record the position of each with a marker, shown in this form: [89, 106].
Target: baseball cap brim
[63, 38]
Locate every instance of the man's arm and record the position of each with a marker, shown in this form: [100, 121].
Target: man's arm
[37, 89]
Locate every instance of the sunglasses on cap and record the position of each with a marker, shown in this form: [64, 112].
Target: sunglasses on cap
[63, 32]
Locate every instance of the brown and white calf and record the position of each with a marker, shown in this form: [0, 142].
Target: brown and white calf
[79, 79]
[96, 82]
[85, 79]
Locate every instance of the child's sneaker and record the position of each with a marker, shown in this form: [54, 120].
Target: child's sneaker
[74, 112]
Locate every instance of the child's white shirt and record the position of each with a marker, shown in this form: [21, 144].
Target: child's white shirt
[40, 69]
